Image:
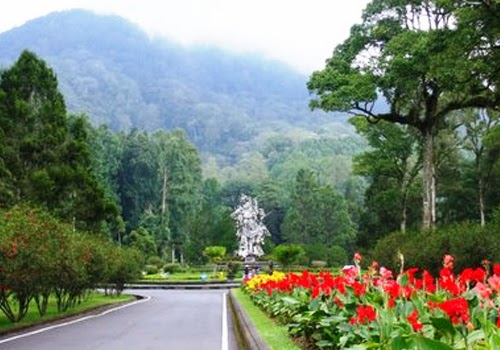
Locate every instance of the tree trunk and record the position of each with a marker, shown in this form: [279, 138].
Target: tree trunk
[481, 202]
[402, 224]
[429, 182]
[164, 195]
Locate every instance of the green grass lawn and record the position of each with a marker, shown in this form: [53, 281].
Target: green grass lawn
[275, 335]
[33, 318]
[184, 276]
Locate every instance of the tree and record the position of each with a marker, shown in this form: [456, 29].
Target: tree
[44, 155]
[181, 180]
[423, 60]
[317, 215]
[213, 225]
[141, 240]
[392, 164]
[137, 178]
[34, 129]
[478, 124]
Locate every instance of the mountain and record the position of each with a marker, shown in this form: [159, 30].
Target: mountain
[114, 72]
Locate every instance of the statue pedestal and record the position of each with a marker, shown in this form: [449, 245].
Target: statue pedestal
[250, 259]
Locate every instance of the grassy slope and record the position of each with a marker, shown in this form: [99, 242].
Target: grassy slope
[276, 336]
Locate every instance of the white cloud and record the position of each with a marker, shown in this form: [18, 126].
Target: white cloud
[301, 33]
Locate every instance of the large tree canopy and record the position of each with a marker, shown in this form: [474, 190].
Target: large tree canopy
[413, 63]
[44, 156]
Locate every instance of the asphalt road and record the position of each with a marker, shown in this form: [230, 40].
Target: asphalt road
[168, 320]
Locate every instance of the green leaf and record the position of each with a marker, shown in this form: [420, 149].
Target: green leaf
[290, 301]
[324, 343]
[403, 280]
[475, 336]
[423, 343]
[399, 343]
[443, 325]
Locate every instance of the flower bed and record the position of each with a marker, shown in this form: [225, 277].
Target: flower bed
[376, 309]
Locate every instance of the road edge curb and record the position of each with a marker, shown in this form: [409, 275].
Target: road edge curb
[247, 336]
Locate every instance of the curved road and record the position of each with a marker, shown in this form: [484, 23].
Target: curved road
[167, 319]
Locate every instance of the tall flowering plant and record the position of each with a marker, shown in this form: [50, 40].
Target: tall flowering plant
[377, 309]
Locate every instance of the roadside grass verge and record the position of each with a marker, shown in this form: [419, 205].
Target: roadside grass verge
[32, 318]
[275, 335]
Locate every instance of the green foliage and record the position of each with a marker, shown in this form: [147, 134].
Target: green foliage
[413, 64]
[469, 242]
[151, 269]
[142, 240]
[45, 155]
[317, 215]
[41, 256]
[171, 268]
[288, 254]
[125, 266]
[215, 253]
[155, 260]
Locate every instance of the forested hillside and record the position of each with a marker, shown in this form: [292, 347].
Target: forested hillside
[111, 70]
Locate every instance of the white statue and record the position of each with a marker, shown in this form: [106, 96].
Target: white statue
[251, 230]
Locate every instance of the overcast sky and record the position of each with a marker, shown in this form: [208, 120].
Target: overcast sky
[302, 33]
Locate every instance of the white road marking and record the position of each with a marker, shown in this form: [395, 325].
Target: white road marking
[146, 299]
[225, 340]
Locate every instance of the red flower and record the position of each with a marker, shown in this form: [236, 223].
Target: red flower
[359, 289]
[415, 323]
[496, 269]
[428, 282]
[456, 309]
[365, 314]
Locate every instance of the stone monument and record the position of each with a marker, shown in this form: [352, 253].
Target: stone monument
[250, 229]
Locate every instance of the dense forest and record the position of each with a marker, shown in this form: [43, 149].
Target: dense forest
[421, 176]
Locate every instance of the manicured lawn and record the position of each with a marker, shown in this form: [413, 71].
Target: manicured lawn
[183, 276]
[275, 335]
[32, 318]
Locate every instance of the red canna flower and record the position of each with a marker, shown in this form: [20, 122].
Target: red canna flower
[357, 258]
[365, 314]
[413, 320]
[496, 269]
[456, 309]
[359, 289]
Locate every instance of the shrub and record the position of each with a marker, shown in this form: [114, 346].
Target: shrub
[287, 254]
[155, 260]
[215, 253]
[151, 269]
[468, 241]
[171, 268]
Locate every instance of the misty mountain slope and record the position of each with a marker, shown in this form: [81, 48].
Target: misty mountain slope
[111, 70]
